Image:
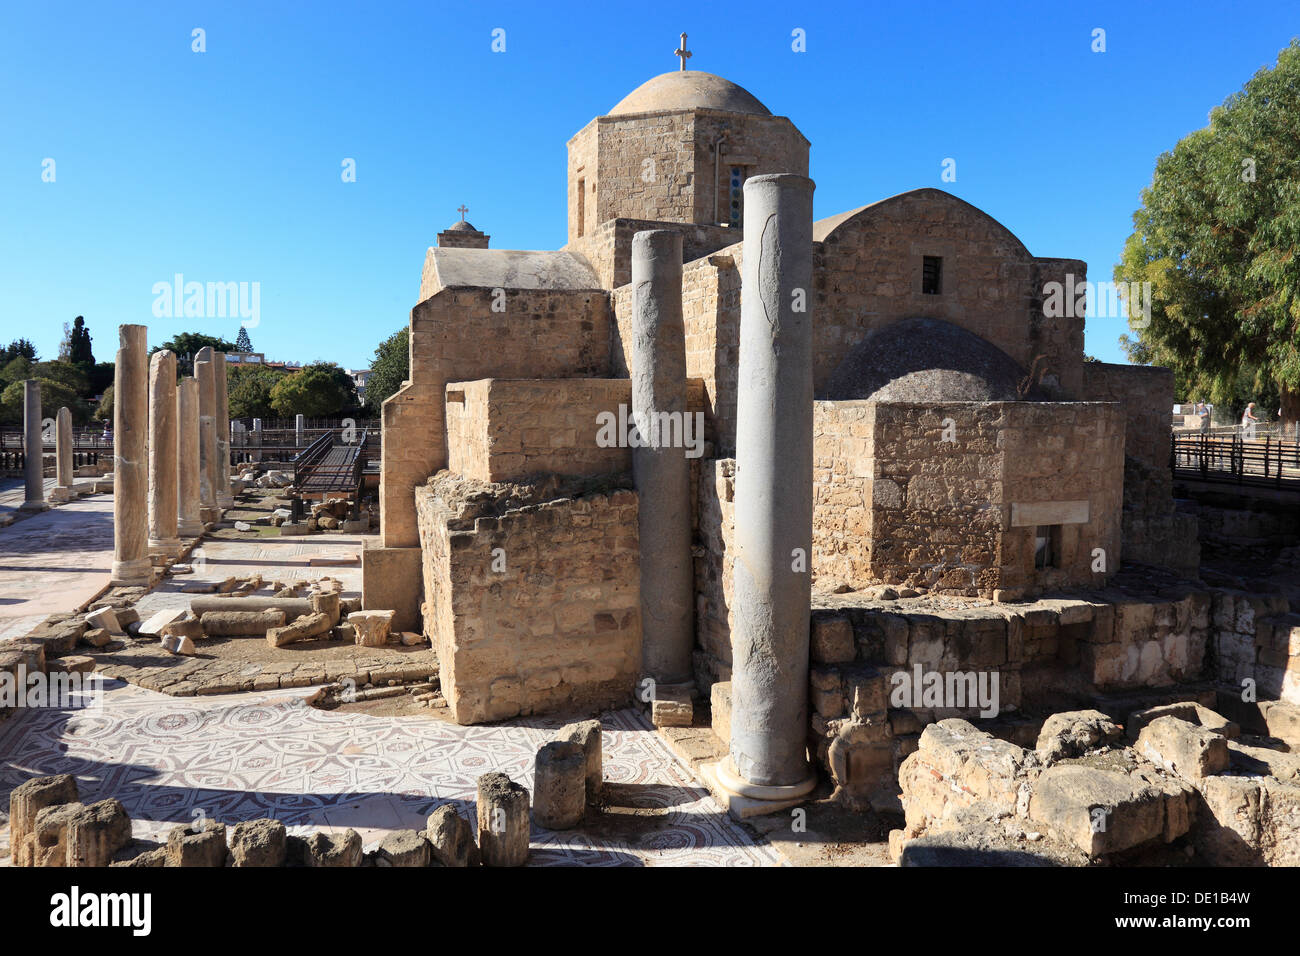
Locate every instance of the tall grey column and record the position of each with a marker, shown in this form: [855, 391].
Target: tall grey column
[257, 439]
[660, 467]
[774, 490]
[188, 521]
[222, 413]
[33, 448]
[163, 491]
[205, 373]
[299, 422]
[131, 565]
[65, 481]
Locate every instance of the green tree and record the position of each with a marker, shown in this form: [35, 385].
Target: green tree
[16, 348]
[316, 390]
[17, 368]
[79, 350]
[390, 367]
[187, 344]
[65, 373]
[54, 395]
[242, 342]
[104, 411]
[250, 390]
[1216, 237]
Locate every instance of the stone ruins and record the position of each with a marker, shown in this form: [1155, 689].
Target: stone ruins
[838, 497]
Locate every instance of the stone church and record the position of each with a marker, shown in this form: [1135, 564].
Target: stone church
[962, 445]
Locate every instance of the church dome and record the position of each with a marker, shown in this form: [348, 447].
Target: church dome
[689, 90]
[460, 225]
[927, 360]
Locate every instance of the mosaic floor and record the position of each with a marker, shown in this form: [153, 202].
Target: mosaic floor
[252, 755]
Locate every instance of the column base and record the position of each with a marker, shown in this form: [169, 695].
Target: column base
[225, 502]
[165, 547]
[209, 515]
[34, 507]
[131, 573]
[744, 799]
[190, 529]
[62, 493]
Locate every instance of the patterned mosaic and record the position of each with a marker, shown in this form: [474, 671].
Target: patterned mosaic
[254, 755]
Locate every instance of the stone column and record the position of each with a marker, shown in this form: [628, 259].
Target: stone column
[257, 439]
[299, 423]
[64, 487]
[188, 522]
[774, 493]
[661, 469]
[163, 474]
[221, 410]
[205, 373]
[33, 448]
[131, 565]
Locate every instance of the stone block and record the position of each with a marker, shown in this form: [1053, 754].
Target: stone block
[720, 700]
[258, 843]
[451, 838]
[25, 802]
[96, 832]
[1106, 811]
[404, 848]
[372, 627]
[832, 640]
[201, 845]
[1188, 750]
[333, 849]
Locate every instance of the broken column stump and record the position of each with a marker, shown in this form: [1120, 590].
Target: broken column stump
[502, 821]
[587, 735]
[451, 838]
[25, 803]
[559, 785]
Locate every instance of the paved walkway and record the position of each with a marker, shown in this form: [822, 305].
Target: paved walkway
[54, 561]
[246, 756]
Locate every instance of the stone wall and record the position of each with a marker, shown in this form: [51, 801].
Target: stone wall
[504, 429]
[532, 594]
[1045, 653]
[456, 335]
[931, 495]
[608, 248]
[1153, 532]
[661, 166]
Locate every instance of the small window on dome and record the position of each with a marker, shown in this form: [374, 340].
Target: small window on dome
[932, 275]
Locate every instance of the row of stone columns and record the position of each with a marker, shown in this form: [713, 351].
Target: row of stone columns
[774, 485]
[169, 465]
[33, 447]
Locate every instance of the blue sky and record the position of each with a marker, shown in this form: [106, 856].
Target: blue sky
[225, 166]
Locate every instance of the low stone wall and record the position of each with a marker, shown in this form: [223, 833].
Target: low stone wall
[532, 594]
[1111, 643]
